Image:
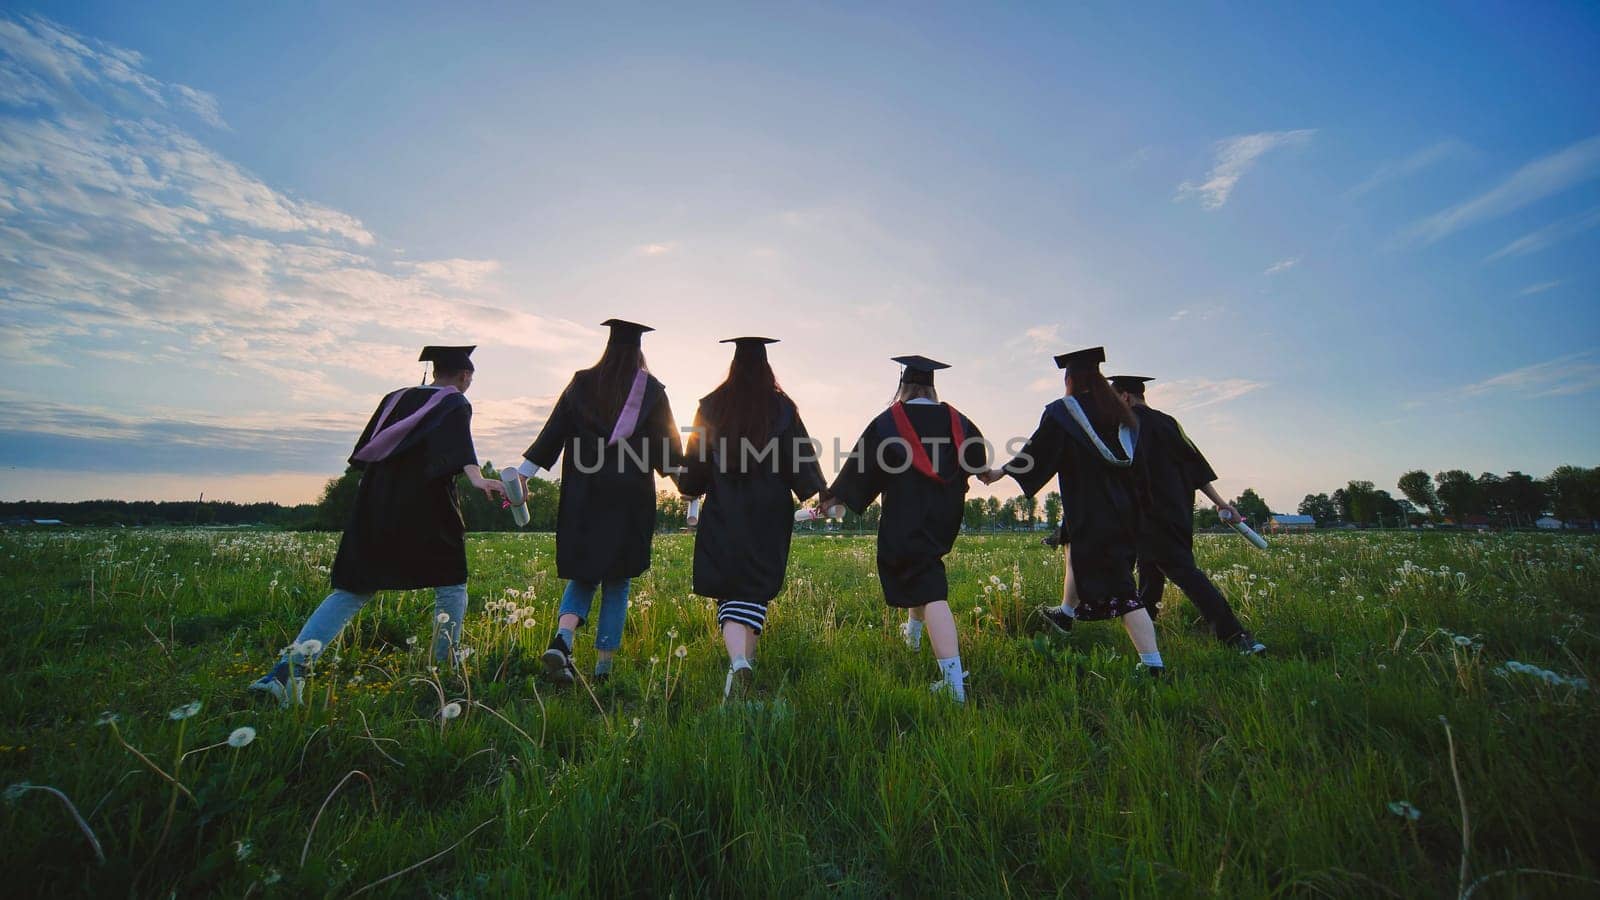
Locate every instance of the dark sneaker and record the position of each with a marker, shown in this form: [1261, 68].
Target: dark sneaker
[1057, 619]
[1156, 672]
[284, 684]
[601, 678]
[558, 661]
[1246, 644]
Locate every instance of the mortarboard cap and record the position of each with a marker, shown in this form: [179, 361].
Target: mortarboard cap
[624, 332]
[1130, 384]
[448, 359]
[919, 369]
[1082, 359]
[749, 346]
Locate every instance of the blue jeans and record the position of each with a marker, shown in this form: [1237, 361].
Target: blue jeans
[579, 597]
[341, 606]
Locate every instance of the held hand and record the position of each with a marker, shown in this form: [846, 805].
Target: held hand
[991, 476]
[490, 488]
[1227, 512]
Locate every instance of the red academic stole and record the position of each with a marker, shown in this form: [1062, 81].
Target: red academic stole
[919, 454]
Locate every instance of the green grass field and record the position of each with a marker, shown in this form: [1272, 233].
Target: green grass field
[1067, 773]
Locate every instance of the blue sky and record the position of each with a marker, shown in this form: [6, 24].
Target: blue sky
[1348, 242]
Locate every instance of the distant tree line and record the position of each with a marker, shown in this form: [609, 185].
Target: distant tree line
[1570, 493]
[161, 513]
[1513, 500]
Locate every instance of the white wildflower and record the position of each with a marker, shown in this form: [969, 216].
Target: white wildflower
[1405, 810]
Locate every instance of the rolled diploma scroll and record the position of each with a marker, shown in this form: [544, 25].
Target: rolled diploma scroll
[811, 514]
[514, 496]
[1245, 531]
[694, 512]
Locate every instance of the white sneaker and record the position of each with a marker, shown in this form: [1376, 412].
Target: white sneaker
[943, 687]
[288, 692]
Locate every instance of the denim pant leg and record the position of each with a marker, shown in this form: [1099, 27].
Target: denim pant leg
[450, 600]
[330, 618]
[613, 614]
[577, 599]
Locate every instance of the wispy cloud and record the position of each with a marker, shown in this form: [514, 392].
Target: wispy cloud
[119, 229]
[1575, 373]
[1396, 170]
[1541, 178]
[1197, 393]
[1198, 313]
[656, 249]
[1282, 265]
[1235, 157]
[1539, 288]
[1038, 339]
[1554, 233]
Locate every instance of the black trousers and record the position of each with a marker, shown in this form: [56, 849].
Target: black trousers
[1195, 585]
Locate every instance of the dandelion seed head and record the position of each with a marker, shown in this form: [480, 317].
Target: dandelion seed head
[450, 711]
[1405, 810]
[681, 652]
[185, 711]
[442, 618]
[15, 791]
[241, 736]
[107, 718]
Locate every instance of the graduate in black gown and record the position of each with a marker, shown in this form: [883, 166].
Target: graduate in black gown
[1170, 469]
[918, 455]
[751, 457]
[406, 531]
[1087, 441]
[613, 430]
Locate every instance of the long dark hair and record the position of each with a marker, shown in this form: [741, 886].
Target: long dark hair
[1105, 409]
[741, 407]
[604, 386]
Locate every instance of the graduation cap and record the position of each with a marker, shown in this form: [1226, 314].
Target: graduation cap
[1085, 360]
[625, 332]
[448, 359]
[754, 347]
[1130, 384]
[919, 369]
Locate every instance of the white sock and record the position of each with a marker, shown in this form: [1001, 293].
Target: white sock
[739, 662]
[1069, 610]
[1153, 660]
[913, 633]
[954, 677]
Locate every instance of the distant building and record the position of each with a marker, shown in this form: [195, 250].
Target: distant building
[1550, 523]
[1281, 522]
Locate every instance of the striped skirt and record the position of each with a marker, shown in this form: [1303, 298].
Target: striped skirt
[750, 614]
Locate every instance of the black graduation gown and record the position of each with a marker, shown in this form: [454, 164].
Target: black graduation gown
[921, 516]
[1099, 509]
[741, 546]
[607, 513]
[406, 531]
[1170, 469]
